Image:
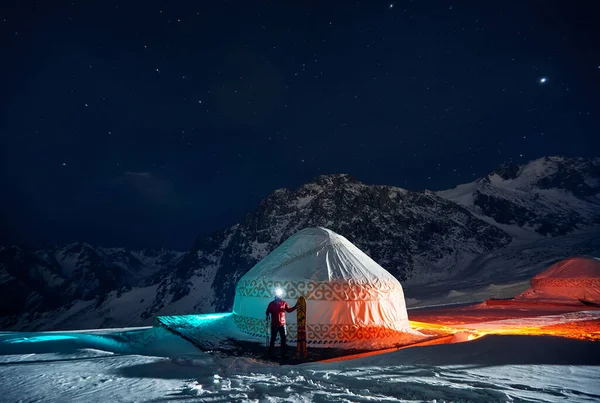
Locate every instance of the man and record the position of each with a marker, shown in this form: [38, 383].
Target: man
[277, 309]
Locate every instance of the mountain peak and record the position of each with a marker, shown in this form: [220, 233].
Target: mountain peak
[552, 195]
[579, 176]
[334, 179]
[508, 170]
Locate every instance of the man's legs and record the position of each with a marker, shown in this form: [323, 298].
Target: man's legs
[282, 332]
[273, 337]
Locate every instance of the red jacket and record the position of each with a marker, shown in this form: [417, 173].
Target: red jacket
[277, 310]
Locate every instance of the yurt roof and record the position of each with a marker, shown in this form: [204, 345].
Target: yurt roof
[320, 255]
[576, 267]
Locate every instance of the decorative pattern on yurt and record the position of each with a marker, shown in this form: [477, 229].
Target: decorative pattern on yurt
[575, 278]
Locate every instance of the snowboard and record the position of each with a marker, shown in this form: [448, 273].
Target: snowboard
[301, 332]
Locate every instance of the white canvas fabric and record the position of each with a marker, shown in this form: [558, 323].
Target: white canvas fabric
[572, 279]
[349, 296]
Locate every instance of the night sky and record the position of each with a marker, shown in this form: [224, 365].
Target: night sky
[148, 123]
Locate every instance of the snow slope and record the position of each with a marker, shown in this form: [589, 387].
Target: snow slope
[505, 272]
[151, 365]
[548, 196]
[78, 285]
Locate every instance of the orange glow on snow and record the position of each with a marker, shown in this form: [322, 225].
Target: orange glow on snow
[514, 318]
[582, 330]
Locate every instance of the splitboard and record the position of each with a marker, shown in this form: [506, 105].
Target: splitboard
[301, 353]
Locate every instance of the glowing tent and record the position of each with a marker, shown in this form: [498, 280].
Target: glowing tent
[349, 296]
[572, 279]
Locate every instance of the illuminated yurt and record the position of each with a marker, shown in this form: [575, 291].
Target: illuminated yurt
[349, 296]
[570, 280]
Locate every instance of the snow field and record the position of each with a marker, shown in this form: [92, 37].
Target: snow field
[151, 365]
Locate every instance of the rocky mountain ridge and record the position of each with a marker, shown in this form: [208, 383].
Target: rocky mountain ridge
[547, 197]
[417, 236]
[51, 278]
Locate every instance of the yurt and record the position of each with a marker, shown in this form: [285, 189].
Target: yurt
[570, 280]
[349, 296]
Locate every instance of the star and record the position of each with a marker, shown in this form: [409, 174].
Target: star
[543, 80]
[64, 164]
[391, 5]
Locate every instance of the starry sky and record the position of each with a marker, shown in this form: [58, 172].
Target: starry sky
[149, 123]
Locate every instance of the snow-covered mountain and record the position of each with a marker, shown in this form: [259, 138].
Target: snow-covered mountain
[516, 219]
[34, 283]
[546, 197]
[417, 236]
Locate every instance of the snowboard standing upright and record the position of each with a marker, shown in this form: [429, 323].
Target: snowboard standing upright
[301, 324]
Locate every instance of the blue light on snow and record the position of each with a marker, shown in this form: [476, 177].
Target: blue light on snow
[212, 316]
[38, 339]
[115, 344]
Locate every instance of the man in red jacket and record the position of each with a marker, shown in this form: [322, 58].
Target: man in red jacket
[276, 310]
